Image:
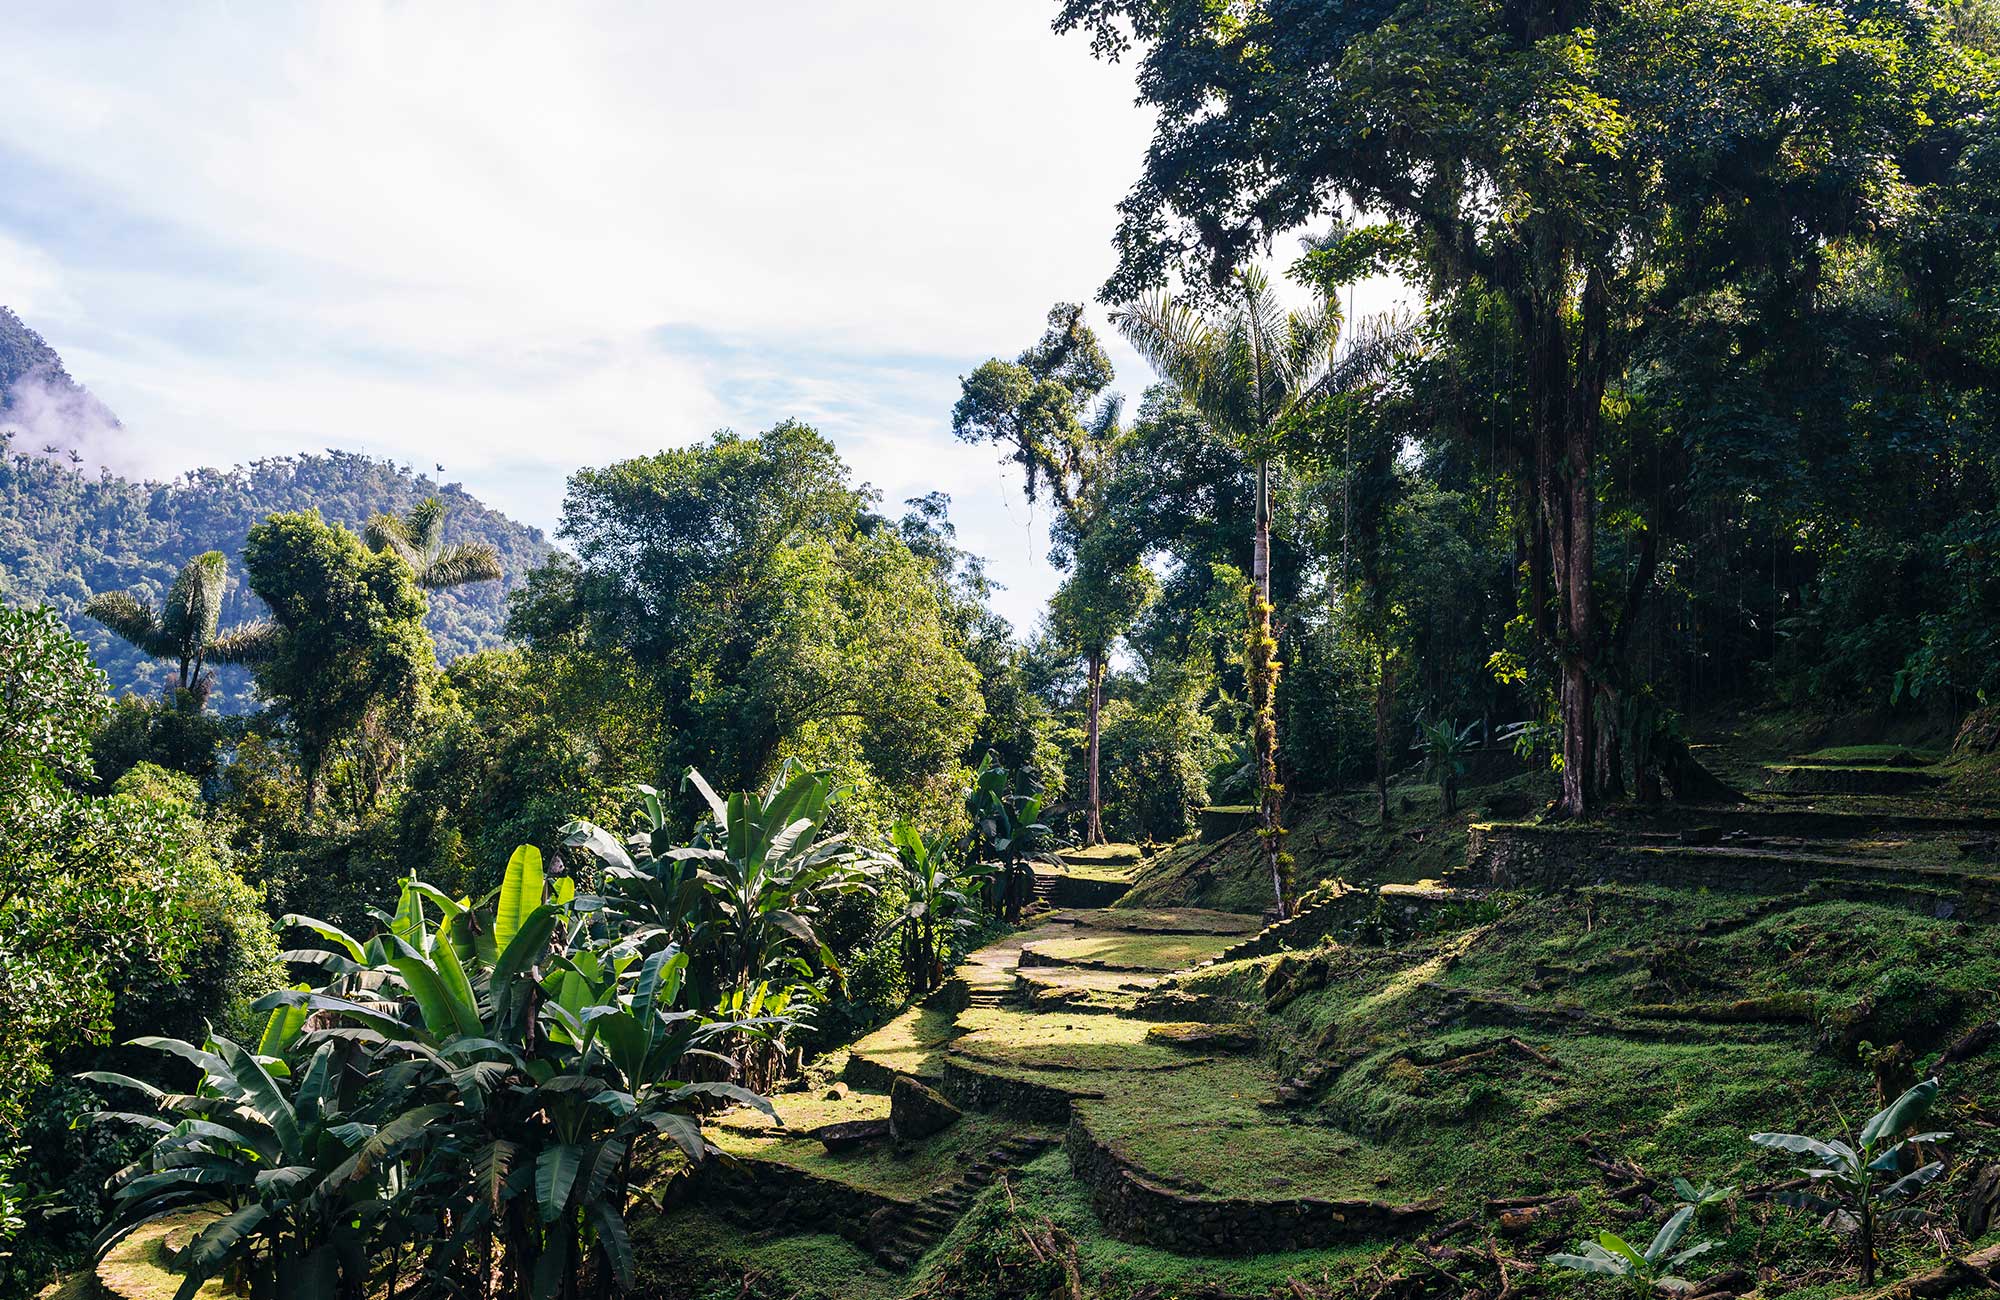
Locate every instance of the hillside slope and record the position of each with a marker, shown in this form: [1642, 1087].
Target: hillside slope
[65, 535]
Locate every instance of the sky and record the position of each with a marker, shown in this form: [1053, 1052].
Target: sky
[516, 239]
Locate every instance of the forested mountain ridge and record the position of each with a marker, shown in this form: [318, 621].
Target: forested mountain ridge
[66, 535]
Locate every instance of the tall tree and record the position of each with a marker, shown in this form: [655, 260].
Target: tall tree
[1590, 164]
[1048, 410]
[1248, 370]
[184, 628]
[418, 537]
[1105, 591]
[350, 639]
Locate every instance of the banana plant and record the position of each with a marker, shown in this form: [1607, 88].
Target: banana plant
[933, 907]
[1644, 1271]
[565, 1048]
[297, 1168]
[1445, 747]
[1007, 832]
[743, 900]
[1860, 1182]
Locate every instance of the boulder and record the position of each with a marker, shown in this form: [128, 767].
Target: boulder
[838, 1092]
[916, 1112]
[852, 1133]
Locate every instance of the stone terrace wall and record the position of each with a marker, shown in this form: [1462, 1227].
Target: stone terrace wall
[1544, 857]
[764, 1192]
[1135, 1208]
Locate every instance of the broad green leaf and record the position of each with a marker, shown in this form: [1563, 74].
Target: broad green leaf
[1669, 1234]
[1899, 1114]
[555, 1174]
[520, 894]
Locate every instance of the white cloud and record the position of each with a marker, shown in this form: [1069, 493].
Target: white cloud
[461, 233]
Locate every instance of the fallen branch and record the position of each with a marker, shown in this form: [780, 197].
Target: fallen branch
[1521, 1218]
[1980, 1268]
[1972, 1044]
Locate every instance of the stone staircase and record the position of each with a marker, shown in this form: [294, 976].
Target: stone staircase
[903, 1237]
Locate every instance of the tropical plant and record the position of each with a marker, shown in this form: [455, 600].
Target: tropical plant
[1007, 833]
[286, 1159]
[466, 1103]
[743, 900]
[1445, 747]
[1861, 1182]
[418, 537]
[1705, 1199]
[184, 628]
[933, 905]
[1644, 1271]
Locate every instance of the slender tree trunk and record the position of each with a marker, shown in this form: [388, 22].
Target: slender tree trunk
[1094, 828]
[1385, 688]
[1263, 671]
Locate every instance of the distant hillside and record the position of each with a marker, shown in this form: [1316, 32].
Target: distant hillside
[69, 530]
[43, 407]
[65, 535]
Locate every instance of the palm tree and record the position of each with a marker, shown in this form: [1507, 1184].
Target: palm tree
[1249, 370]
[418, 537]
[184, 627]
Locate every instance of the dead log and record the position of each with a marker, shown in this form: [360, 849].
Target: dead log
[1981, 1269]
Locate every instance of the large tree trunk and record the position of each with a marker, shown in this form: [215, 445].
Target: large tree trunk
[1093, 831]
[1566, 393]
[1263, 673]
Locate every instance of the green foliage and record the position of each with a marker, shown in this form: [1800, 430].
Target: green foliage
[1862, 1178]
[1007, 833]
[116, 912]
[492, 1069]
[350, 648]
[65, 535]
[742, 902]
[417, 538]
[1644, 1272]
[933, 907]
[765, 616]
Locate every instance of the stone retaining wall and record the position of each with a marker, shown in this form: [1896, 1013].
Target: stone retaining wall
[767, 1192]
[1542, 857]
[975, 1089]
[1137, 1209]
[1060, 889]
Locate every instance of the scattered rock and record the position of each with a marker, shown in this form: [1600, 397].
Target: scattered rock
[838, 1092]
[853, 1133]
[916, 1111]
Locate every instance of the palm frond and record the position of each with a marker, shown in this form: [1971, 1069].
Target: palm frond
[466, 562]
[123, 614]
[194, 604]
[251, 643]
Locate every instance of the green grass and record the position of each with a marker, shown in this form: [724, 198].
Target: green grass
[987, 1256]
[905, 1172]
[1104, 855]
[1126, 951]
[1870, 756]
[137, 1268]
[909, 1044]
[691, 1254]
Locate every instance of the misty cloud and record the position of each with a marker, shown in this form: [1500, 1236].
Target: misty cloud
[49, 414]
